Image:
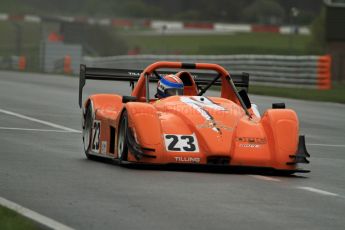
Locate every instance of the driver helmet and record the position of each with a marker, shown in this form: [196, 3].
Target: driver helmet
[169, 85]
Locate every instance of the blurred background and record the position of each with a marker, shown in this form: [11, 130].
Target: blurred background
[58, 35]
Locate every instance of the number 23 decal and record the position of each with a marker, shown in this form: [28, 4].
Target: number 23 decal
[96, 131]
[181, 143]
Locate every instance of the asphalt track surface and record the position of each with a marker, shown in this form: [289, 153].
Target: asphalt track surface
[44, 169]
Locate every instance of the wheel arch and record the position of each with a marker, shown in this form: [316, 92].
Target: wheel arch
[282, 128]
[144, 122]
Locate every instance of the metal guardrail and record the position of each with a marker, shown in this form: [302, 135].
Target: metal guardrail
[63, 65]
[274, 70]
[59, 65]
[52, 54]
[13, 63]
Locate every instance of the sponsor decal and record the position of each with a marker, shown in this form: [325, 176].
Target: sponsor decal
[200, 104]
[193, 160]
[252, 140]
[250, 145]
[216, 124]
[133, 73]
[181, 143]
[104, 147]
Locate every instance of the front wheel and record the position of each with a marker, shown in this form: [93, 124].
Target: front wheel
[122, 148]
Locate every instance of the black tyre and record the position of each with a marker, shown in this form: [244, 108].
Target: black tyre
[122, 148]
[88, 118]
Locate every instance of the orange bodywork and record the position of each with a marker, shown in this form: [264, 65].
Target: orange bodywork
[195, 129]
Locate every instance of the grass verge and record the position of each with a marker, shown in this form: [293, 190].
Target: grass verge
[242, 43]
[336, 94]
[10, 220]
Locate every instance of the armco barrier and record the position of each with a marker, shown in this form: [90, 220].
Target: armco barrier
[324, 73]
[13, 63]
[53, 52]
[274, 70]
[63, 65]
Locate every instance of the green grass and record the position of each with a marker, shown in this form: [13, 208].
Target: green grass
[258, 43]
[15, 6]
[336, 94]
[10, 220]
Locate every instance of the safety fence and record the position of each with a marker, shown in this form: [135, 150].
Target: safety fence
[63, 65]
[272, 70]
[60, 57]
[13, 63]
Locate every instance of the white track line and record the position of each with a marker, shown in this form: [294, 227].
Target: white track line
[309, 189]
[43, 220]
[319, 191]
[327, 145]
[267, 178]
[39, 121]
[36, 130]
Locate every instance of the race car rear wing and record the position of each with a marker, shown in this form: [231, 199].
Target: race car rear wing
[201, 78]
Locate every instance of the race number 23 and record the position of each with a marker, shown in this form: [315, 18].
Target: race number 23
[96, 128]
[181, 143]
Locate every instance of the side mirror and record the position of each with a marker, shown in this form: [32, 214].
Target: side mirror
[278, 105]
[126, 99]
[243, 94]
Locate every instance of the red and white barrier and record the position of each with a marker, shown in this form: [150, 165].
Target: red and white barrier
[239, 28]
[3, 17]
[165, 25]
[168, 25]
[32, 18]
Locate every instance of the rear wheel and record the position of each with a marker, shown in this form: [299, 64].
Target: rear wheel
[88, 118]
[122, 148]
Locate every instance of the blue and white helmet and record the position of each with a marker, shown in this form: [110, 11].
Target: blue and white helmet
[169, 85]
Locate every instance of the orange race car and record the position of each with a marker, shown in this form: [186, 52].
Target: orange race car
[178, 125]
